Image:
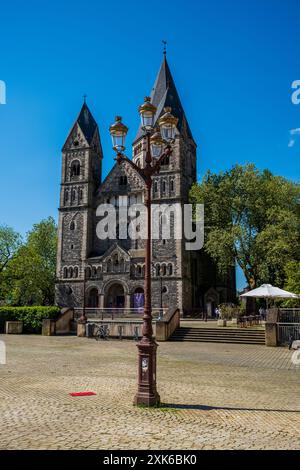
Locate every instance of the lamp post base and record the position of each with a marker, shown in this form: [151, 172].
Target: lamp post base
[147, 394]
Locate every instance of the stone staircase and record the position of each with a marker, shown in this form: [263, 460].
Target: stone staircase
[219, 335]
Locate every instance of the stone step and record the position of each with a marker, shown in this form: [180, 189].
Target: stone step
[215, 340]
[215, 335]
[221, 332]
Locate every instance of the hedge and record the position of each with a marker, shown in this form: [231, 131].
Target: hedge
[32, 317]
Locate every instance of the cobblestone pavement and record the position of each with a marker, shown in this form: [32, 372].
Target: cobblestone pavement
[217, 396]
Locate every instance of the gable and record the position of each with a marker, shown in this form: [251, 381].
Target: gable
[116, 250]
[76, 139]
[111, 184]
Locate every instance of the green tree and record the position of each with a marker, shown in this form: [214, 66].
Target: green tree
[10, 241]
[292, 283]
[252, 219]
[31, 273]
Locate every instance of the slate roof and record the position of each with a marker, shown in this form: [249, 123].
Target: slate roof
[164, 93]
[87, 123]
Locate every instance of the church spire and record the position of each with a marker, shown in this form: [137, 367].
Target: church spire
[164, 93]
[86, 123]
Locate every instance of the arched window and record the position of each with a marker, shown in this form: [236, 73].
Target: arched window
[172, 185]
[93, 298]
[158, 270]
[88, 272]
[155, 187]
[164, 269]
[65, 272]
[72, 225]
[66, 195]
[164, 187]
[138, 163]
[75, 168]
[165, 161]
[170, 269]
[123, 181]
[80, 194]
[94, 271]
[139, 270]
[71, 272]
[76, 271]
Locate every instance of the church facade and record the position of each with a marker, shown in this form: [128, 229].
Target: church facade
[110, 273]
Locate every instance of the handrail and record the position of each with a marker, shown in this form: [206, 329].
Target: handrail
[117, 312]
[166, 326]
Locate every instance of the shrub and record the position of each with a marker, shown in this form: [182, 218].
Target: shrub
[32, 317]
[228, 311]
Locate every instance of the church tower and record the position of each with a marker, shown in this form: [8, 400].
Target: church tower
[172, 185]
[80, 177]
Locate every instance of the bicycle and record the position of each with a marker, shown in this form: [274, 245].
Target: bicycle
[101, 332]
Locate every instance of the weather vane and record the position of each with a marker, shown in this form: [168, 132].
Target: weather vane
[165, 47]
[84, 98]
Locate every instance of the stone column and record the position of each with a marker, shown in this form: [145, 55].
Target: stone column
[271, 327]
[127, 300]
[81, 329]
[101, 300]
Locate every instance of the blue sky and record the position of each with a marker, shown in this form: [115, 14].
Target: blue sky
[233, 63]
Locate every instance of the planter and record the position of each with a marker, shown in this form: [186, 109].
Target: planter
[222, 322]
[48, 327]
[234, 321]
[14, 327]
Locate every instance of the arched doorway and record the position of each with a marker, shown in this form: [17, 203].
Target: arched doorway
[211, 300]
[93, 298]
[115, 296]
[138, 298]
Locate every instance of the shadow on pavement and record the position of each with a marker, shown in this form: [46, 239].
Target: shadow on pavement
[227, 408]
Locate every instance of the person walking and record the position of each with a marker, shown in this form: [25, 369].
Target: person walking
[217, 313]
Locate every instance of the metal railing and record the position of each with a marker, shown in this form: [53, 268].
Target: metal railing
[115, 313]
[289, 315]
[286, 332]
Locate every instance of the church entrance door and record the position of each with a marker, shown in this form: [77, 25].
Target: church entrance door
[115, 297]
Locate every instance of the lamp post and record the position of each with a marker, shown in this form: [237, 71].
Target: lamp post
[83, 318]
[158, 146]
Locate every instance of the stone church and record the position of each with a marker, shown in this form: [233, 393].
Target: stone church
[110, 273]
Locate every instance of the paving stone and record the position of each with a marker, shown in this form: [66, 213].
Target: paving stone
[216, 396]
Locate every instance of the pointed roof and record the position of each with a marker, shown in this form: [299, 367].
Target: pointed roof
[87, 123]
[164, 93]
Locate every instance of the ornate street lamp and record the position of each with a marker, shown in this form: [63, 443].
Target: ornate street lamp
[156, 140]
[118, 132]
[157, 144]
[168, 124]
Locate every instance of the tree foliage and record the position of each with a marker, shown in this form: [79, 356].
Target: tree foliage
[29, 276]
[252, 219]
[10, 241]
